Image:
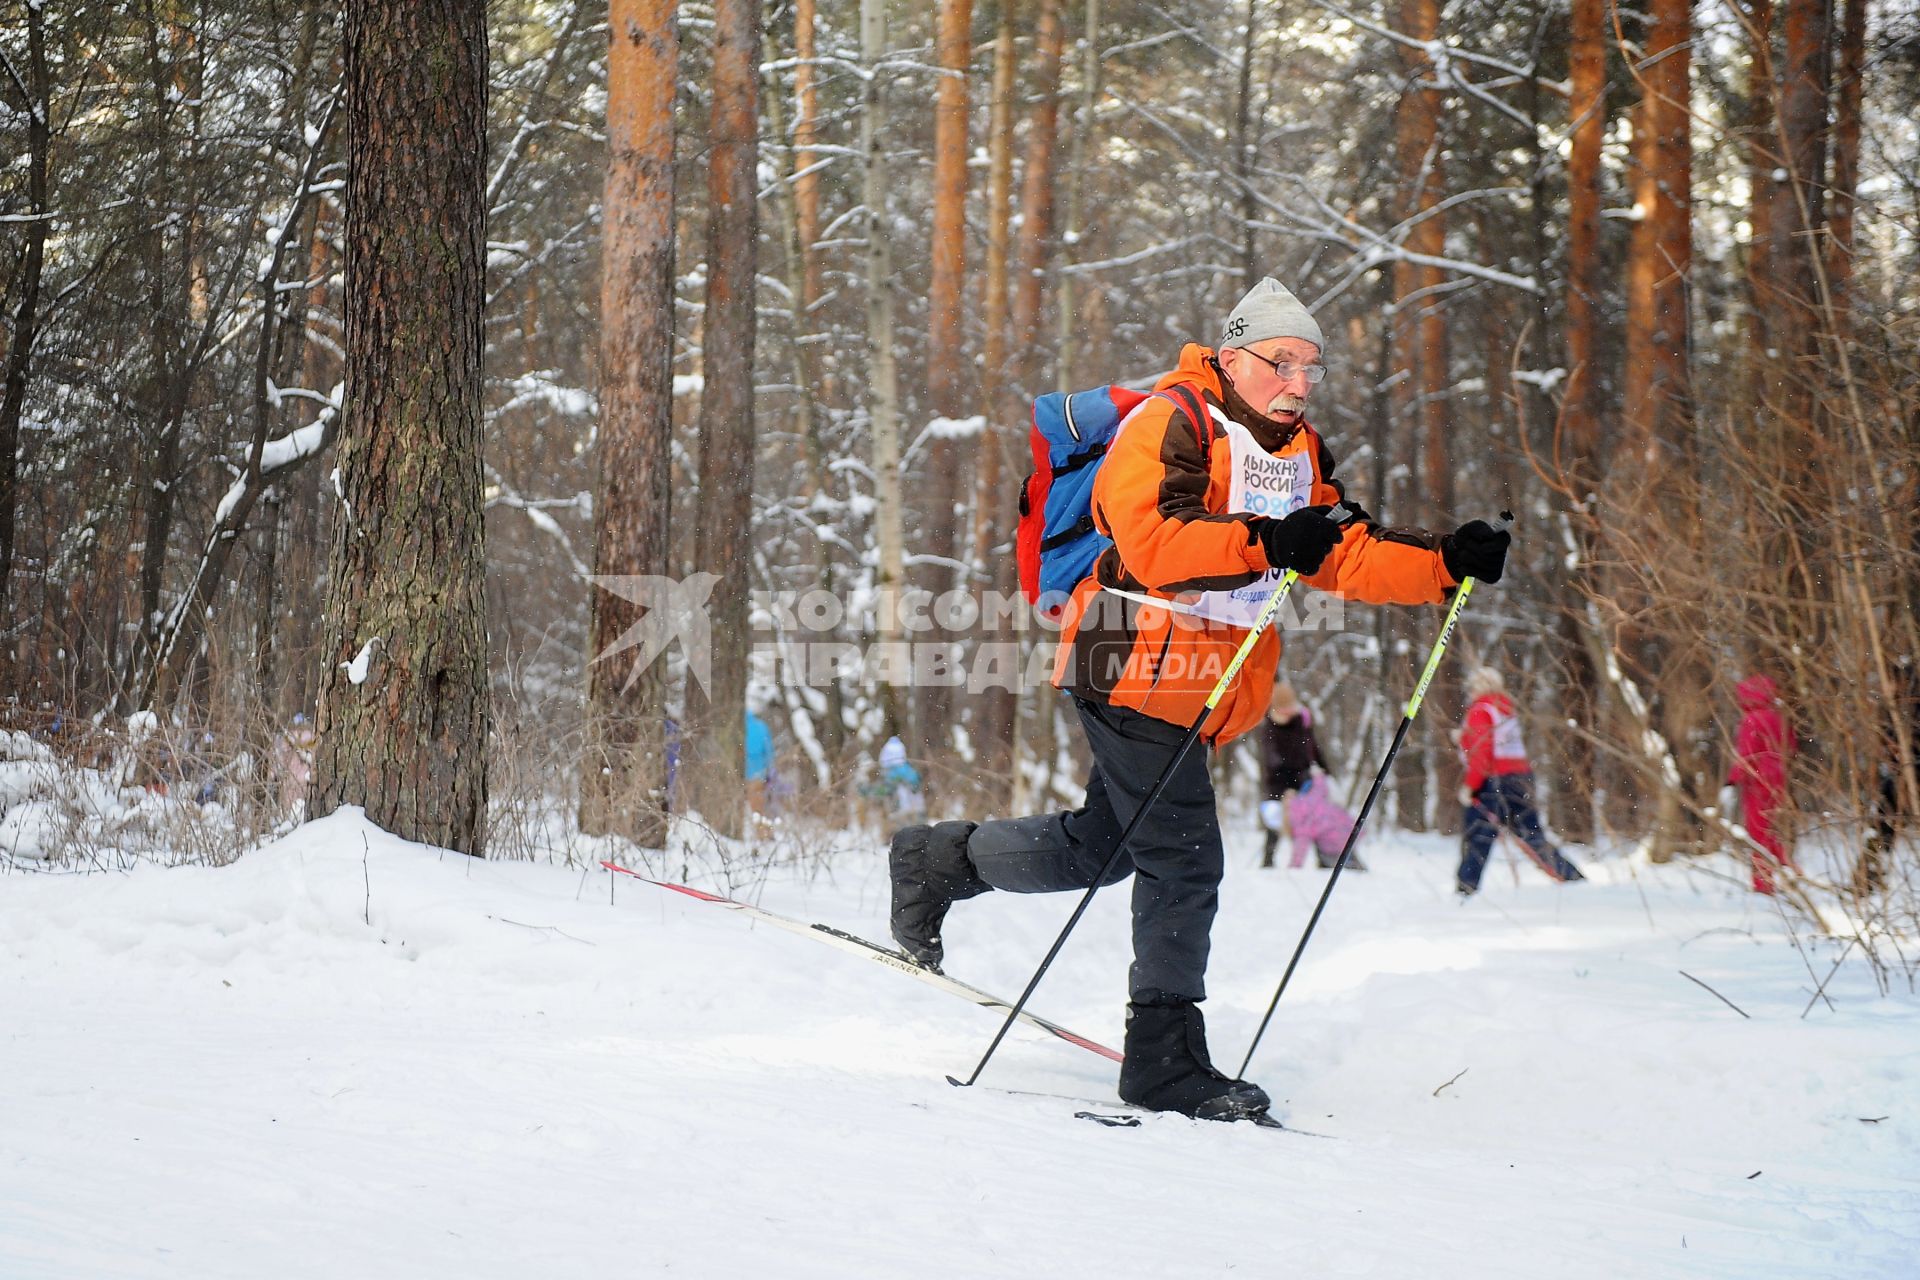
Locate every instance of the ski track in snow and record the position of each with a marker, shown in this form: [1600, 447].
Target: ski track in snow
[346, 1055]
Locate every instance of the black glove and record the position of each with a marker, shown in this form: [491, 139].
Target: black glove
[1300, 542]
[1476, 550]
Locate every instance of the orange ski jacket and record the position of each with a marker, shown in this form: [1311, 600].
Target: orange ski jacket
[1164, 503]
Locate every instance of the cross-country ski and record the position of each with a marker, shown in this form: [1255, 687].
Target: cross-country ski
[844, 941]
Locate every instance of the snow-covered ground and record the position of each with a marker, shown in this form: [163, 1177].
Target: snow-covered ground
[347, 1056]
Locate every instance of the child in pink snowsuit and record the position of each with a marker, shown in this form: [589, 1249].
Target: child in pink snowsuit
[1318, 820]
[1761, 746]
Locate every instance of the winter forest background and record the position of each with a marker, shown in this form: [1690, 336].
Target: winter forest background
[1644, 276]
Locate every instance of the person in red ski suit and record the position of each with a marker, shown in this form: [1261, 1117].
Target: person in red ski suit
[1761, 746]
[1498, 791]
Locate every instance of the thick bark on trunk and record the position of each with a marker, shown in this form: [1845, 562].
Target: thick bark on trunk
[404, 706]
[723, 543]
[623, 774]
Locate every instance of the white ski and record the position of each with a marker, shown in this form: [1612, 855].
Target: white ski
[859, 946]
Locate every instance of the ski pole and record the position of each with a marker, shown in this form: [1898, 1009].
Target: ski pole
[1460, 595]
[1339, 514]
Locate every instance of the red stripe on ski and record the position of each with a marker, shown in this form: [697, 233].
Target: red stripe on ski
[701, 894]
[857, 945]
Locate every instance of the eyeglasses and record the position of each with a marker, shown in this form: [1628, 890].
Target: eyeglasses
[1287, 370]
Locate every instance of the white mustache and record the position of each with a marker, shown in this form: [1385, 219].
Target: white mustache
[1286, 404]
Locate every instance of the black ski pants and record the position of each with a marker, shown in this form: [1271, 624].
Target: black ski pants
[1175, 857]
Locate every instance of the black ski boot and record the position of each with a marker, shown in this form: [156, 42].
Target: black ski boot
[930, 873]
[1167, 1067]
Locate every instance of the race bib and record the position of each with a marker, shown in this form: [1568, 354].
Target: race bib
[1262, 485]
[1506, 737]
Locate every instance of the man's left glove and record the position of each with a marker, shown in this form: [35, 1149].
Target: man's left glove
[1476, 550]
[1467, 798]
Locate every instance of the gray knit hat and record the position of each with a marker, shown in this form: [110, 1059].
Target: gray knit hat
[1269, 311]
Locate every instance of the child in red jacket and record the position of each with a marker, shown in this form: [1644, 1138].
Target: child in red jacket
[1761, 745]
[1499, 786]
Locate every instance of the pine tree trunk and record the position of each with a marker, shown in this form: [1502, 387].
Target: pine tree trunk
[996, 400]
[1422, 358]
[1588, 54]
[1657, 399]
[946, 393]
[1036, 201]
[998, 708]
[1659, 444]
[1763, 160]
[404, 706]
[806, 132]
[1067, 323]
[26, 318]
[306, 545]
[165, 390]
[1792, 306]
[623, 773]
[1031, 250]
[1243, 144]
[723, 541]
[1803, 124]
[946, 339]
[1841, 192]
[1578, 440]
[883, 396]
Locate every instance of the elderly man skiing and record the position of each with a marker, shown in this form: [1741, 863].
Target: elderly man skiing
[1204, 515]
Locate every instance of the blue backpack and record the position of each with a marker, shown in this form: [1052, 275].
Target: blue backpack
[1057, 543]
